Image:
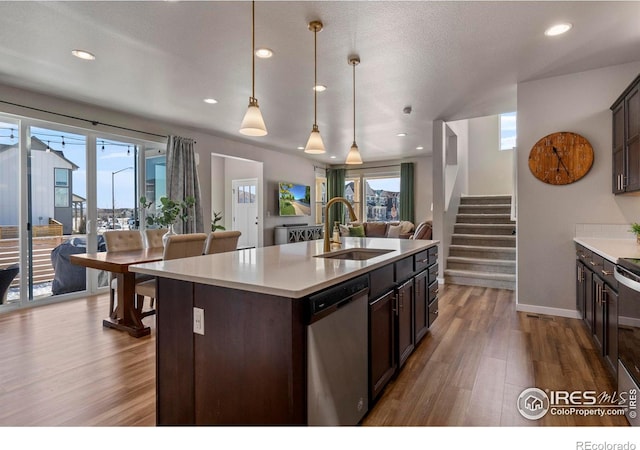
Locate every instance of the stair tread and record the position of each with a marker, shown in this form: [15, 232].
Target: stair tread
[481, 247]
[486, 225]
[477, 274]
[485, 236]
[466, 259]
[496, 215]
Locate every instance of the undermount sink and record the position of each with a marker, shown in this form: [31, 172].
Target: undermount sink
[355, 254]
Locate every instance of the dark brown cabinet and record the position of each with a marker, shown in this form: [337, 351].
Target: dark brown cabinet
[610, 304]
[405, 301]
[421, 305]
[382, 364]
[626, 140]
[403, 304]
[597, 303]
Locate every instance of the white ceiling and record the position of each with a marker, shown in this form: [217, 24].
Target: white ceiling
[448, 59]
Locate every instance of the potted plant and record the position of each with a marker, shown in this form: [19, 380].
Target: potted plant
[170, 212]
[217, 217]
[635, 229]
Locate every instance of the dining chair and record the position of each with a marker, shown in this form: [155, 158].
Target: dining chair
[122, 240]
[221, 241]
[153, 237]
[178, 246]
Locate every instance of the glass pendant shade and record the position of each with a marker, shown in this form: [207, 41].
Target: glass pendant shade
[253, 123]
[314, 144]
[354, 155]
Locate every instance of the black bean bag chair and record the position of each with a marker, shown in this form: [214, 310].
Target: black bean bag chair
[71, 277]
[6, 277]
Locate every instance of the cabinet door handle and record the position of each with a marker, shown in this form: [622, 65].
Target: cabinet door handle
[401, 300]
[607, 272]
[423, 260]
[395, 305]
[592, 263]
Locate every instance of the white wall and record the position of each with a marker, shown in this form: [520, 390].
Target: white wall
[447, 198]
[547, 214]
[217, 188]
[490, 169]
[277, 166]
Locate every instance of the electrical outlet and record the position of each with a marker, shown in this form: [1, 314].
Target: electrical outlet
[198, 320]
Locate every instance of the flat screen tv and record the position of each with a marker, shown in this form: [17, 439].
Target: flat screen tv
[294, 199]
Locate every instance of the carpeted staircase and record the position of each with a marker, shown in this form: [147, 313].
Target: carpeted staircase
[483, 246]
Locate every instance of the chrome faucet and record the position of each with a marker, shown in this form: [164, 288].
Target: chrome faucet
[327, 231]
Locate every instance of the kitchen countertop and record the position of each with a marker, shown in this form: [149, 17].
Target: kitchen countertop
[289, 270]
[611, 249]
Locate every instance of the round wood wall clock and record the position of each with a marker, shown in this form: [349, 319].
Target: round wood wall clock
[561, 158]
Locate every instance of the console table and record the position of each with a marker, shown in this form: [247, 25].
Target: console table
[297, 233]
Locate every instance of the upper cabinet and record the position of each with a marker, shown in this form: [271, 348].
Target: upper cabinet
[626, 140]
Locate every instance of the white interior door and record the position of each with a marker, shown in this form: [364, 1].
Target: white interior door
[245, 211]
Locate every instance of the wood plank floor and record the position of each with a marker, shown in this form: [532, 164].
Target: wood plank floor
[60, 367]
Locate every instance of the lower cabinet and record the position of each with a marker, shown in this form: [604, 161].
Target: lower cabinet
[404, 332]
[382, 364]
[403, 304]
[421, 306]
[597, 303]
[610, 304]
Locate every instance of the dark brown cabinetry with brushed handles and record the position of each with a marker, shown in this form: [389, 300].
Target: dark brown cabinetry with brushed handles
[403, 304]
[626, 140]
[597, 302]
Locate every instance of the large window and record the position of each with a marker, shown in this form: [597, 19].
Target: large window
[321, 198]
[508, 132]
[353, 194]
[52, 190]
[374, 197]
[383, 199]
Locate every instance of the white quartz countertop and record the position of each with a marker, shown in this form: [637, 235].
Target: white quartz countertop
[289, 270]
[611, 249]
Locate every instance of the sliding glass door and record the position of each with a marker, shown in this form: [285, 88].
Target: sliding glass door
[60, 189]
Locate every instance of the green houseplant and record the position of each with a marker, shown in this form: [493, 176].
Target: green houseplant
[170, 212]
[217, 217]
[635, 229]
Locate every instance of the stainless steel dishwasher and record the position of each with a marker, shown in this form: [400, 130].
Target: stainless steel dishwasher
[337, 360]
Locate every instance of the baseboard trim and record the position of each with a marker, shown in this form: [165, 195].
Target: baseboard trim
[569, 313]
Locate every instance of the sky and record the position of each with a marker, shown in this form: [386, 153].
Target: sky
[112, 156]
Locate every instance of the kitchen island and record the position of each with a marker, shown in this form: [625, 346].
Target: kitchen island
[243, 361]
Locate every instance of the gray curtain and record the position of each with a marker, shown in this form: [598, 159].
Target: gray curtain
[182, 180]
[407, 211]
[335, 188]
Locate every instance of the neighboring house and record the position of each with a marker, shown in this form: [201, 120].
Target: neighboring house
[51, 185]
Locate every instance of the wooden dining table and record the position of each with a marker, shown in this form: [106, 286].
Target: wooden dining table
[126, 316]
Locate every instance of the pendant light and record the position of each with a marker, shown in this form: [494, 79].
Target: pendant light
[354, 154]
[314, 144]
[253, 124]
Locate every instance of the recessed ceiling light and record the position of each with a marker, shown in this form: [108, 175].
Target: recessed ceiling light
[401, 134]
[82, 54]
[264, 53]
[332, 157]
[320, 88]
[420, 147]
[211, 101]
[300, 148]
[558, 29]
